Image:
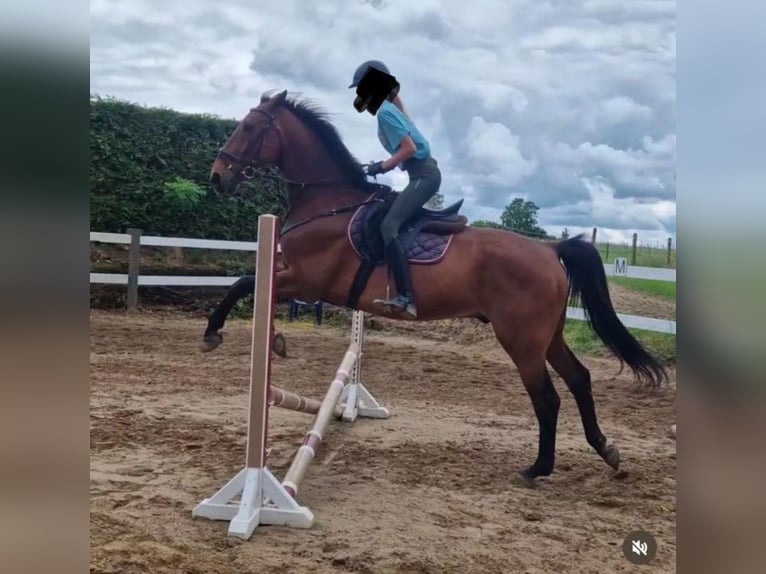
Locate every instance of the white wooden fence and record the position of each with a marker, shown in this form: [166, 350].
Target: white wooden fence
[133, 279]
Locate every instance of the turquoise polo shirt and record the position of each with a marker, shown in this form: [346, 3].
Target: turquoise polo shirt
[393, 125]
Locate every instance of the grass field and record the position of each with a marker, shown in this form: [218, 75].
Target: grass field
[645, 256]
[664, 289]
[582, 340]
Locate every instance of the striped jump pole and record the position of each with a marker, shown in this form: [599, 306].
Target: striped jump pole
[313, 438]
[254, 495]
[291, 401]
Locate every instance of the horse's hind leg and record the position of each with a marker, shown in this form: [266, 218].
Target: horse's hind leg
[529, 356]
[577, 378]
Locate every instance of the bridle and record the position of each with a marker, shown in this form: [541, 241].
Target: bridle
[249, 170]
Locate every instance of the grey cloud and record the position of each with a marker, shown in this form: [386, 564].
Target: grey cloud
[138, 32]
[586, 89]
[669, 223]
[275, 62]
[613, 221]
[431, 25]
[218, 23]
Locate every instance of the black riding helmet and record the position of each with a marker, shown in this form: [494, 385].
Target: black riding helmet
[362, 70]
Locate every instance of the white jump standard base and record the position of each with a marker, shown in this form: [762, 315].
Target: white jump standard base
[262, 500]
[356, 400]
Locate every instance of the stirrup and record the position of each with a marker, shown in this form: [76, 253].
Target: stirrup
[398, 305]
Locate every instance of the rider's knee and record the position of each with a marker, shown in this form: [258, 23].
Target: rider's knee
[388, 231]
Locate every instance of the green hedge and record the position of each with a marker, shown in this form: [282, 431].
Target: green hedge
[144, 159]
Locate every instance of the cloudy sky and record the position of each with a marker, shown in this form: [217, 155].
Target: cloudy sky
[568, 103]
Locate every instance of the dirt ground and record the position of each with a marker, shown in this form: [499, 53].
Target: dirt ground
[427, 491]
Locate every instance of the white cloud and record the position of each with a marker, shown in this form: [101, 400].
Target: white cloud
[495, 152]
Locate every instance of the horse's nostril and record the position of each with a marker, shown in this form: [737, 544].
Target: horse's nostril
[215, 179]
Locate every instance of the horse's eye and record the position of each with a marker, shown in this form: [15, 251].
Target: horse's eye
[247, 128]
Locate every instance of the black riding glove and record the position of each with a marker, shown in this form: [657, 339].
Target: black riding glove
[374, 168]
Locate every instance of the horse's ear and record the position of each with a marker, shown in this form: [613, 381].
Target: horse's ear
[280, 97]
[272, 99]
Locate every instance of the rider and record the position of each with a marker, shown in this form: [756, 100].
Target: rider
[410, 151]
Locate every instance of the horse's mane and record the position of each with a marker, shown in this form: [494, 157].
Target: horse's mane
[317, 120]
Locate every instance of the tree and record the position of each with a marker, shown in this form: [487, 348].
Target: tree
[183, 192]
[521, 216]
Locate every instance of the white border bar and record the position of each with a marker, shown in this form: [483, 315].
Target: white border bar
[632, 321]
[157, 241]
[164, 280]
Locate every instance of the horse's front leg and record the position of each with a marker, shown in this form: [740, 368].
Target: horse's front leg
[244, 287]
[241, 289]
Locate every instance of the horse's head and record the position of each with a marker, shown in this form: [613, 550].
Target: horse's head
[256, 142]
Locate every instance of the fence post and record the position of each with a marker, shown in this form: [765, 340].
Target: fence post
[134, 264]
[606, 257]
[178, 255]
[670, 246]
[593, 237]
[635, 241]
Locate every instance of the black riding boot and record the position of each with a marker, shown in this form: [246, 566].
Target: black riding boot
[403, 302]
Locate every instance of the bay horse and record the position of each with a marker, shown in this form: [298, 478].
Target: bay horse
[521, 286]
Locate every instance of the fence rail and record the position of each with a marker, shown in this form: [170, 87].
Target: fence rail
[157, 241]
[619, 268]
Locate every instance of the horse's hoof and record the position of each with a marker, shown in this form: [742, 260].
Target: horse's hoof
[520, 478]
[210, 341]
[611, 456]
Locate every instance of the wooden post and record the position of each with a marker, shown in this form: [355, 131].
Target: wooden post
[134, 267]
[670, 247]
[255, 485]
[593, 237]
[635, 242]
[606, 257]
[262, 339]
[178, 255]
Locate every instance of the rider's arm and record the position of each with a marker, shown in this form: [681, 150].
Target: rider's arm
[396, 134]
[406, 150]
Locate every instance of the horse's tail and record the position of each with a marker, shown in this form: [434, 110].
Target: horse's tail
[587, 282]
